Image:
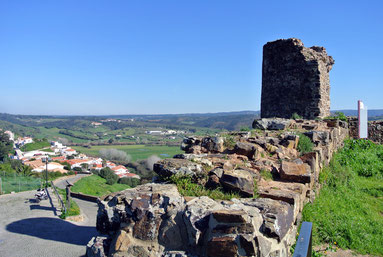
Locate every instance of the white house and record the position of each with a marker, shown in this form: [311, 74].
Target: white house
[68, 151]
[23, 140]
[57, 145]
[52, 166]
[10, 135]
[120, 171]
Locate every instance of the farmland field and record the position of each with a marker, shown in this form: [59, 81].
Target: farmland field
[138, 152]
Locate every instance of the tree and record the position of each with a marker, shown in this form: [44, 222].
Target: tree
[85, 166]
[109, 175]
[6, 146]
[114, 154]
[26, 170]
[150, 161]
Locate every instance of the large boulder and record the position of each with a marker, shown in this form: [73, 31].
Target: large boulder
[213, 144]
[271, 124]
[278, 216]
[239, 181]
[182, 167]
[246, 149]
[294, 172]
[146, 213]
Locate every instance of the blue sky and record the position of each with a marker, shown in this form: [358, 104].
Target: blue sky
[150, 57]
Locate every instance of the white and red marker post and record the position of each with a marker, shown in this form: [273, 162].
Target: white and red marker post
[362, 120]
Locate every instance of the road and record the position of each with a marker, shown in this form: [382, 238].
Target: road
[62, 182]
[28, 228]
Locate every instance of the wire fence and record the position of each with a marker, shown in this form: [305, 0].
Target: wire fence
[17, 183]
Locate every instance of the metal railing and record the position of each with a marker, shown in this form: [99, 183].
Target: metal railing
[303, 248]
[63, 207]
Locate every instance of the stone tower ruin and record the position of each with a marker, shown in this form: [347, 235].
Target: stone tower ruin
[295, 79]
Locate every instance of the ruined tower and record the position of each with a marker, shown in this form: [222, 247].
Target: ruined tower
[295, 79]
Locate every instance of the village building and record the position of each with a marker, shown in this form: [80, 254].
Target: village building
[10, 135]
[68, 151]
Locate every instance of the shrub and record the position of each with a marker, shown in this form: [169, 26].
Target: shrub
[112, 179]
[114, 154]
[77, 169]
[245, 129]
[229, 141]
[265, 174]
[296, 116]
[338, 116]
[109, 175]
[132, 182]
[304, 144]
[187, 187]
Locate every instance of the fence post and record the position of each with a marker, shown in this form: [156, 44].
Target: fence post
[1, 186]
[303, 247]
[68, 197]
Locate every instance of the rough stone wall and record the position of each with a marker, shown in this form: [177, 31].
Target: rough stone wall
[155, 220]
[375, 130]
[295, 79]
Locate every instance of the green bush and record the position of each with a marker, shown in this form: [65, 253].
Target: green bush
[132, 182]
[296, 116]
[187, 187]
[229, 141]
[245, 129]
[304, 144]
[109, 175]
[77, 169]
[112, 180]
[265, 174]
[338, 116]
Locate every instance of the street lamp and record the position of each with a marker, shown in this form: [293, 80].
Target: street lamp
[47, 160]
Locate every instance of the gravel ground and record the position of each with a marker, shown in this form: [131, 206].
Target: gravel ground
[28, 228]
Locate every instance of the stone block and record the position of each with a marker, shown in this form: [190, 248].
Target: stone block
[294, 172]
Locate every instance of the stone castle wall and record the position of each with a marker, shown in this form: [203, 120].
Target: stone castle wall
[155, 220]
[295, 79]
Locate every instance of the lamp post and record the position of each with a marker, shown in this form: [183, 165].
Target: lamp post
[47, 159]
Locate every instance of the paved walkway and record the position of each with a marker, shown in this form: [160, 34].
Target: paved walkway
[28, 228]
[62, 182]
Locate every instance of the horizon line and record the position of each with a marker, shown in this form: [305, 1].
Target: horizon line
[158, 114]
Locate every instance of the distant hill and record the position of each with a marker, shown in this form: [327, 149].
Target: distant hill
[33, 124]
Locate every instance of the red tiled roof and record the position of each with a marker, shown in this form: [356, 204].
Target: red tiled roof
[58, 158]
[74, 161]
[131, 175]
[119, 167]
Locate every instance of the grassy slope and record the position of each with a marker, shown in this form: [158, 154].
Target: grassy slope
[138, 152]
[35, 146]
[349, 209]
[95, 185]
[74, 208]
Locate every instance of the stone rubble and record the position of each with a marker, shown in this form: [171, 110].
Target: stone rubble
[155, 220]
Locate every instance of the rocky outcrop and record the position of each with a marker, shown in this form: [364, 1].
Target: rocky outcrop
[169, 167]
[154, 220]
[295, 79]
[272, 124]
[273, 181]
